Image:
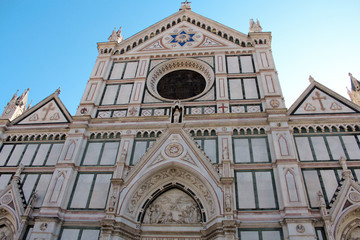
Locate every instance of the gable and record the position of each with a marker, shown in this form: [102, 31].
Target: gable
[184, 36]
[48, 113]
[317, 99]
[174, 146]
[50, 110]
[212, 29]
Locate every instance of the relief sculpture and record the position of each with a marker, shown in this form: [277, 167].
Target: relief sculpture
[173, 207]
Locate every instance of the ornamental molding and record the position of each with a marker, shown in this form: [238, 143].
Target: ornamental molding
[322, 128]
[36, 137]
[153, 182]
[180, 64]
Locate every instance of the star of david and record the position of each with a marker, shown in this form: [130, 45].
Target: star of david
[182, 38]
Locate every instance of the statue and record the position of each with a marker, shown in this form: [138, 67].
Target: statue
[112, 202]
[255, 26]
[116, 36]
[19, 170]
[343, 164]
[225, 153]
[173, 207]
[311, 79]
[176, 113]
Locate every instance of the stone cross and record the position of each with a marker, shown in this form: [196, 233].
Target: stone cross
[319, 98]
[48, 109]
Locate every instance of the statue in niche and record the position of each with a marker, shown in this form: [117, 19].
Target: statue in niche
[176, 113]
[173, 207]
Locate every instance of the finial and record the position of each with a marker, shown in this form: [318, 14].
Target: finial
[343, 164]
[255, 26]
[346, 172]
[321, 197]
[19, 170]
[116, 36]
[311, 79]
[185, 5]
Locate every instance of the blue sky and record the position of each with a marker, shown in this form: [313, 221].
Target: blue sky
[49, 44]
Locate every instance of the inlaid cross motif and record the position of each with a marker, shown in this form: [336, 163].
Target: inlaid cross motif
[222, 107]
[48, 109]
[133, 111]
[319, 98]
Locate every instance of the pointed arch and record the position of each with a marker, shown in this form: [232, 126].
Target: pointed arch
[70, 151]
[192, 203]
[140, 191]
[8, 222]
[291, 185]
[283, 146]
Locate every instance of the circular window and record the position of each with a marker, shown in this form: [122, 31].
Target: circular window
[180, 79]
[181, 84]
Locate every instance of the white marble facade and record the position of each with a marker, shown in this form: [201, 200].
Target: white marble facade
[223, 160]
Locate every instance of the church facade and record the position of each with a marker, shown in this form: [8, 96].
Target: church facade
[182, 133]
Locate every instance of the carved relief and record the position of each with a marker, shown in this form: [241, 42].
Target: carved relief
[155, 46]
[34, 117]
[354, 197]
[173, 207]
[171, 174]
[210, 42]
[355, 234]
[6, 199]
[188, 159]
[133, 111]
[159, 158]
[43, 226]
[5, 232]
[300, 228]
[174, 150]
[274, 103]
[308, 107]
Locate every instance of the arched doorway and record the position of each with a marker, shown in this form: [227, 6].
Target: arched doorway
[173, 205]
[7, 225]
[170, 202]
[172, 211]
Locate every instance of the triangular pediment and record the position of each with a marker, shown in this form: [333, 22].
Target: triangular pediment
[346, 197]
[50, 110]
[318, 99]
[209, 34]
[174, 146]
[184, 36]
[11, 199]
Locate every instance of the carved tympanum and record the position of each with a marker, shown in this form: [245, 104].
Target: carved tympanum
[355, 234]
[5, 233]
[173, 207]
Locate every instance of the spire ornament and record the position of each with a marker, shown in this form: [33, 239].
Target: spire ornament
[116, 36]
[354, 92]
[255, 26]
[16, 106]
[311, 79]
[185, 5]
